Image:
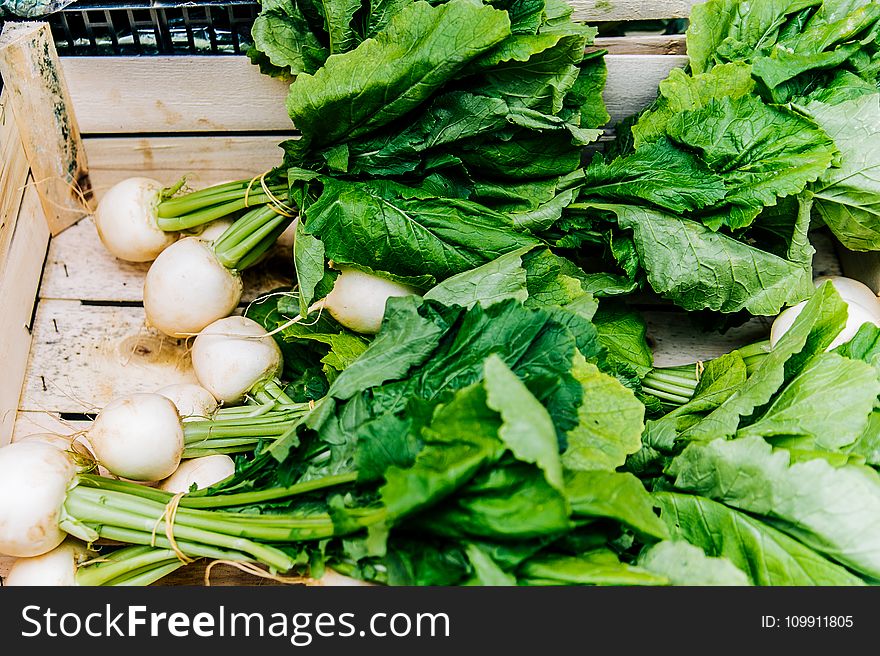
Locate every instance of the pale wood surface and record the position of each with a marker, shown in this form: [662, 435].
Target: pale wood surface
[661, 44]
[215, 94]
[202, 160]
[593, 11]
[78, 267]
[46, 121]
[14, 172]
[19, 280]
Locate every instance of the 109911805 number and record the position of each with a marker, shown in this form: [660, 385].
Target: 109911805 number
[818, 621]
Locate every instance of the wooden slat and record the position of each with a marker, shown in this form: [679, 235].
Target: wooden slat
[676, 340]
[14, 171]
[174, 94]
[84, 356]
[46, 121]
[593, 11]
[203, 160]
[633, 81]
[20, 274]
[215, 94]
[861, 266]
[663, 44]
[80, 268]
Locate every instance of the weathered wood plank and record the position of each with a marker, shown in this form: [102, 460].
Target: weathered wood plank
[214, 94]
[78, 267]
[676, 340]
[861, 266]
[633, 81]
[593, 11]
[46, 121]
[203, 160]
[20, 274]
[661, 44]
[83, 356]
[14, 170]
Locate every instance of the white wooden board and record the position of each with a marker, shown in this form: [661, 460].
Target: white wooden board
[202, 160]
[84, 356]
[20, 274]
[593, 11]
[78, 267]
[215, 94]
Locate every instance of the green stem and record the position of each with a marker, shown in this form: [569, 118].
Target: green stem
[102, 573]
[245, 236]
[81, 506]
[272, 494]
[209, 213]
[221, 194]
[148, 576]
[194, 549]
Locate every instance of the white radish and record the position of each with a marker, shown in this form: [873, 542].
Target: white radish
[201, 472]
[192, 401]
[187, 288]
[863, 306]
[54, 568]
[211, 231]
[34, 477]
[126, 220]
[139, 437]
[358, 299]
[61, 442]
[233, 356]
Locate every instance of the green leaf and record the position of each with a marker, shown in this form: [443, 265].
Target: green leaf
[847, 196]
[419, 51]
[828, 402]
[308, 259]
[658, 174]
[406, 340]
[720, 379]
[685, 564]
[338, 15]
[462, 438]
[526, 428]
[486, 570]
[623, 333]
[610, 422]
[391, 228]
[282, 33]
[720, 30]
[697, 268]
[767, 555]
[816, 326]
[681, 92]
[495, 281]
[833, 510]
[600, 567]
[762, 152]
[614, 495]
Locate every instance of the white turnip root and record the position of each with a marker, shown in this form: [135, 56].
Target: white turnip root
[192, 401]
[233, 356]
[34, 477]
[358, 299]
[187, 288]
[54, 568]
[139, 437]
[202, 472]
[127, 221]
[863, 306]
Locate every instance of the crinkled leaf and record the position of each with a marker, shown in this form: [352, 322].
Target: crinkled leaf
[685, 564]
[834, 510]
[767, 555]
[610, 422]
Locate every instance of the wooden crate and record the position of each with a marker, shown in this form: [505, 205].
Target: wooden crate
[72, 333]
